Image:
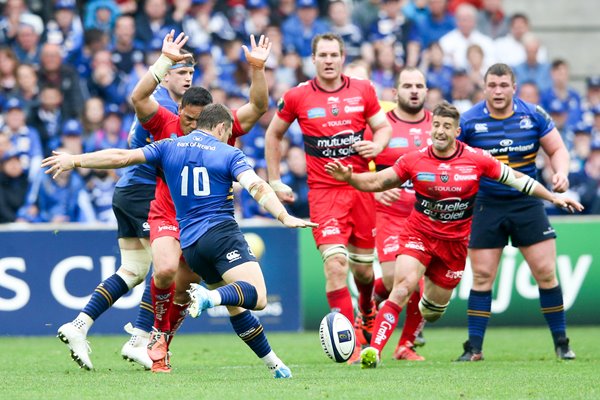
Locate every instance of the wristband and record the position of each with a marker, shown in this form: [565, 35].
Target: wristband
[279, 186]
[160, 68]
[282, 216]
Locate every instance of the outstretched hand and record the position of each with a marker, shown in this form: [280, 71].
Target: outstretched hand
[258, 54]
[171, 47]
[568, 204]
[293, 222]
[59, 162]
[338, 171]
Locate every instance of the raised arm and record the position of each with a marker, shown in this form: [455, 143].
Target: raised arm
[273, 138]
[103, 159]
[554, 147]
[144, 104]
[265, 196]
[258, 103]
[365, 182]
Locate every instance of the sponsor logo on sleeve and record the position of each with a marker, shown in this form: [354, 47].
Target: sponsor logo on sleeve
[426, 177]
[317, 112]
[398, 142]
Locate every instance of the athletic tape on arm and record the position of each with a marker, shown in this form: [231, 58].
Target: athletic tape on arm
[524, 183]
[263, 194]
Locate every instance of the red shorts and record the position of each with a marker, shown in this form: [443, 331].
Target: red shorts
[345, 216]
[389, 228]
[162, 219]
[444, 259]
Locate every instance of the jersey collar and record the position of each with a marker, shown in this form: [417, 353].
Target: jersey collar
[486, 110]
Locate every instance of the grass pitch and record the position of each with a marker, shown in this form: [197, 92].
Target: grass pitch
[519, 364]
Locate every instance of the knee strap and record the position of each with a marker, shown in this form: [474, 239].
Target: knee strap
[333, 250]
[430, 310]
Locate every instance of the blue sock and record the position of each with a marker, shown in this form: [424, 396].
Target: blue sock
[240, 294]
[145, 317]
[478, 314]
[250, 330]
[551, 301]
[105, 295]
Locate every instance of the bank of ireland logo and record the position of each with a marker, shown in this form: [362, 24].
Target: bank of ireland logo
[444, 177]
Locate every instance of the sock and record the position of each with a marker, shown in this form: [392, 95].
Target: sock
[341, 301]
[250, 330]
[365, 296]
[145, 317]
[162, 299]
[83, 322]
[106, 293]
[551, 302]
[272, 361]
[380, 293]
[177, 315]
[385, 323]
[479, 309]
[240, 294]
[414, 321]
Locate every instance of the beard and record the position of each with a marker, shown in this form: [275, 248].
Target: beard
[408, 108]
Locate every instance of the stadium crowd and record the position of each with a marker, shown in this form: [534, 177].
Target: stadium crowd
[67, 70]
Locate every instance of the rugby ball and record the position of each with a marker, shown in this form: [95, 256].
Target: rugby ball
[337, 337]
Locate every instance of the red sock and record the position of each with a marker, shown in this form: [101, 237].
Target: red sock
[341, 301]
[162, 300]
[380, 293]
[365, 295]
[385, 323]
[414, 321]
[177, 315]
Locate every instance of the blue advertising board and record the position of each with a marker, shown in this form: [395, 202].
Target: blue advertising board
[48, 274]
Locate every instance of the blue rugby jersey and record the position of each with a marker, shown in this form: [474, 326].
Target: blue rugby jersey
[145, 174]
[200, 171]
[514, 140]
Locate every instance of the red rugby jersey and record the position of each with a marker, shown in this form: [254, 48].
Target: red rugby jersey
[445, 188]
[331, 122]
[164, 124]
[406, 137]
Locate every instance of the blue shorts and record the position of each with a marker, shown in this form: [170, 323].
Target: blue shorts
[131, 205]
[217, 251]
[524, 220]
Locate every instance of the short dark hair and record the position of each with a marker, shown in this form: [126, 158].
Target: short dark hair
[213, 115]
[557, 63]
[499, 69]
[196, 96]
[522, 16]
[327, 36]
[445, 109]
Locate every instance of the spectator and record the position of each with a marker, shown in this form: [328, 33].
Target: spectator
[529, 92]
[54, 72]
[24, 139]
[438, 73]
[92, 117]
[296, 180]
[204, 26]
[491, 19]
[341, 24]
[299, 29]
[126, 51]
[155, 22]
[111, 135]
[8, 71]
[47, 118]
[106, 82]
[386, 68]
[592, 98]
[433, 98]
[66, 29]
[533, 70]
[436, 23]
[475, 65]
[462, 90]
[94, 41]
[27, 87]
[392, 27]
[365, 14]
[27, 44]
[510, 49]
[560, 90]
[70, 138]
[258, 18]
[100, 187]
[15, 13]
[13, 186]
[456, 42]
[101, 14]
